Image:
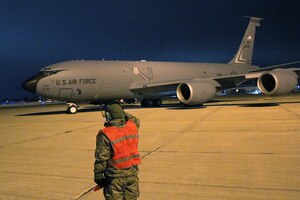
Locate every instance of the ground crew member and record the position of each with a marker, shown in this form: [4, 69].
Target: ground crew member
[116, 155]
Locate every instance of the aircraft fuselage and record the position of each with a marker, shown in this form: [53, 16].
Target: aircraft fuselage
[104, 80]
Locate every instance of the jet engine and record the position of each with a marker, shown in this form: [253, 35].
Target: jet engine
[195, 92]
[277, 82]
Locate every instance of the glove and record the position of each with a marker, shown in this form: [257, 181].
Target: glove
[103, 182]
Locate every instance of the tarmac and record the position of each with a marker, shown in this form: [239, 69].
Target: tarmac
[241, 149]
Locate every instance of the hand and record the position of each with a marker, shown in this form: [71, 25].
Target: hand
[97, 187]
[103, 182]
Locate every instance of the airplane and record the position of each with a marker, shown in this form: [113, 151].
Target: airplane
[192, 83]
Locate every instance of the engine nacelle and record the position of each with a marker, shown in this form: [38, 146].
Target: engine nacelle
[277, 82]
[196, 92]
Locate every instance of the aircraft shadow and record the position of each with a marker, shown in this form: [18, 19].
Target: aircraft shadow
[260, 105]
[181, 107]
[172, 106]
[254, 105]
[60, 112]
[81, 110]
[265, 104]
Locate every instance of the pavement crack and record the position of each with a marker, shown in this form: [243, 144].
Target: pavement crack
[190, 127]
[230, 153]
[225, 186]
[183, 131]
[44, 137]
[290, 111]
[19, 196]
[45, 175]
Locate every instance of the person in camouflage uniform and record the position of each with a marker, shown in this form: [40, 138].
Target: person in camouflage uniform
[118, 183]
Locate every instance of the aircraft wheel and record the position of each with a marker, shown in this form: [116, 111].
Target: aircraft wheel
[72, 109]
[150, 102]
[144, 103]
[157, 102]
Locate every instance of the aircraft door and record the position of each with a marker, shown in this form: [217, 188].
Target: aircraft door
[149, 73]
[65, 93]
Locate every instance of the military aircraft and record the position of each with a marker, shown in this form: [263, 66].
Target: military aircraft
[193, 83]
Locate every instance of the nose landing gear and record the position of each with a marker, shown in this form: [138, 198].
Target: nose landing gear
[72, 108]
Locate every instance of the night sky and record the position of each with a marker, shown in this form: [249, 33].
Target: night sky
[37, 33]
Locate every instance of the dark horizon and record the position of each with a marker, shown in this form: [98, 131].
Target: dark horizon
[39, 33]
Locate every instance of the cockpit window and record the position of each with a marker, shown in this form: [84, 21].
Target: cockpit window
[48, 72]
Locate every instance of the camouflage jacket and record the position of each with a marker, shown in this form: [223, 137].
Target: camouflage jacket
[104, 152]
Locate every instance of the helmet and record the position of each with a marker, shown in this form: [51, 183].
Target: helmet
[114, 111]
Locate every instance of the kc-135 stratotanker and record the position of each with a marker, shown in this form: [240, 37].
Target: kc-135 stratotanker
[193, 83]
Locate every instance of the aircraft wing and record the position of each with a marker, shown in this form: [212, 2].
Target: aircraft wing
[150, 88]
[257, 73]
[235, 80]
[230, 81]
[168, 88]
[281, 66]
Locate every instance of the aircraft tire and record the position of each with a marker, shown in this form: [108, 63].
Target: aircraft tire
[72, 109]
[150, 102]
[157, 102]
[144, 102]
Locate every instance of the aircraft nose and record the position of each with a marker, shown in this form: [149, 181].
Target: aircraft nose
[30, 84]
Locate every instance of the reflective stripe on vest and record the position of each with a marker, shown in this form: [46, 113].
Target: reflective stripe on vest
[124, 141]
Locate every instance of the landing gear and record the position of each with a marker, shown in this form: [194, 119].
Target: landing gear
[144, 102]
[72, 108]
[157, 102]
[151, 102]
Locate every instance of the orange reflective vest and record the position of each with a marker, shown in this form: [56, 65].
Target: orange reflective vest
[124, 141]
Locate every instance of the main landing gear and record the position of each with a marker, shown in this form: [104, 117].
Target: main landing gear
[72, 108]
[151, 102]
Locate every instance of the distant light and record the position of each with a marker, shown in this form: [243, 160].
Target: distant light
[257, 91]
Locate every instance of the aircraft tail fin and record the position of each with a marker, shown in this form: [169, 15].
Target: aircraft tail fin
[244, 53]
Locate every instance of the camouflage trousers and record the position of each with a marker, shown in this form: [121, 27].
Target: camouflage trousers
[122, 189]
